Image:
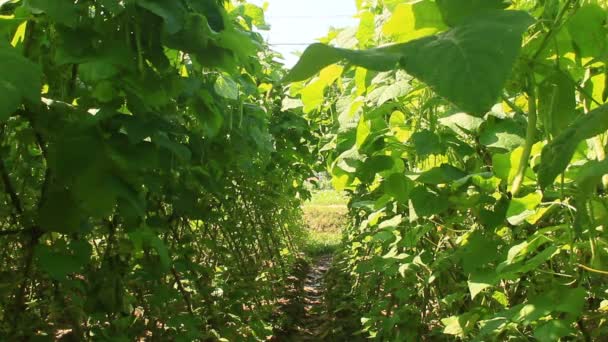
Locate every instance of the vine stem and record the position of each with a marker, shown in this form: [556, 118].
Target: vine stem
[553, 30]
[530, 138]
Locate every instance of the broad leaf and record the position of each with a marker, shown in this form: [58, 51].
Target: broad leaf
[427, 202]
[414, 20]
[60, 264]
[455, 12]
[557, 154]
[588, 30]
[172, 12]
[399, 187]
[59, 213]
[61, 11]
[523, 207]
[502, 134]
[19, 79]
[468, 64]
[226, 87]
[557, 103]
[426, 143]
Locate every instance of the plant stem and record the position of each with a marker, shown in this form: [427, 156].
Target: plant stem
[553, 30]
[530, 138]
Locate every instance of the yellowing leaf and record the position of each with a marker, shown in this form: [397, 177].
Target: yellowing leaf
[414, 20]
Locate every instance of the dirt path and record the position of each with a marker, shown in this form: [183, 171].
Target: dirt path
[310, 326]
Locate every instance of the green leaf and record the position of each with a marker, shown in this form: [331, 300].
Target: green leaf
[571, 301]
[256, 13]
[453, 326]
[59, 213]
[19, 79]
[559, 299]
[399, 187]
[367, 28]
[100, 202]
[523, 207]
[501, 298]
[505, 165]
[179, 150]
[376, 165]
[557, 103]
[479, 255]
[145, 238]
[394, 91]
[383, 236]
[426, 143]
[62, 11]
[413, 20]
[476, 287]
[60, 264]
[427, 202]
[460, 325]
[588, 30]
[553, 330]
[313, 93]
[172, 12]
[364, 129]
[462, 123]
[467, 65]
[441, 175]
[557, 154]
[455, 12]
[226, 87]
[391, 223]
[502, 134]
[399, 127]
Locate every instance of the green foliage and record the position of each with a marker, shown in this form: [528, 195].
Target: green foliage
[477, 185]
[468, 64]
[20, 80]
[150, 182]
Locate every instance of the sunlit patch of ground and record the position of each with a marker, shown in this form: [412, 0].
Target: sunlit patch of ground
[325, 216]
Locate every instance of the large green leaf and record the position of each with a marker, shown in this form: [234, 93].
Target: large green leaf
[588, 30]
[414, 20]
[226, 87]
[426, 143]
[172, 12]
[467, 65]
[522, 208]
[426, 201]
[456, 11]
[61, 11]
[399, 187]
[557, 154]
[557, 102]
[443, 174]
[59, 213]
[502, 134]
[58, 264]
[19, 79]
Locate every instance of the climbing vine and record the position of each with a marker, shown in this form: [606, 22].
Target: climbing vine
[150, 180]
[471, 138]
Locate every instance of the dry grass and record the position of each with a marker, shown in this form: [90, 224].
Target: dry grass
[325, 218]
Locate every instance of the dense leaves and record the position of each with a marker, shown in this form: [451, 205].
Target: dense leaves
[477, 191]
[468, 64]
[150, 180]
[152, 164]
